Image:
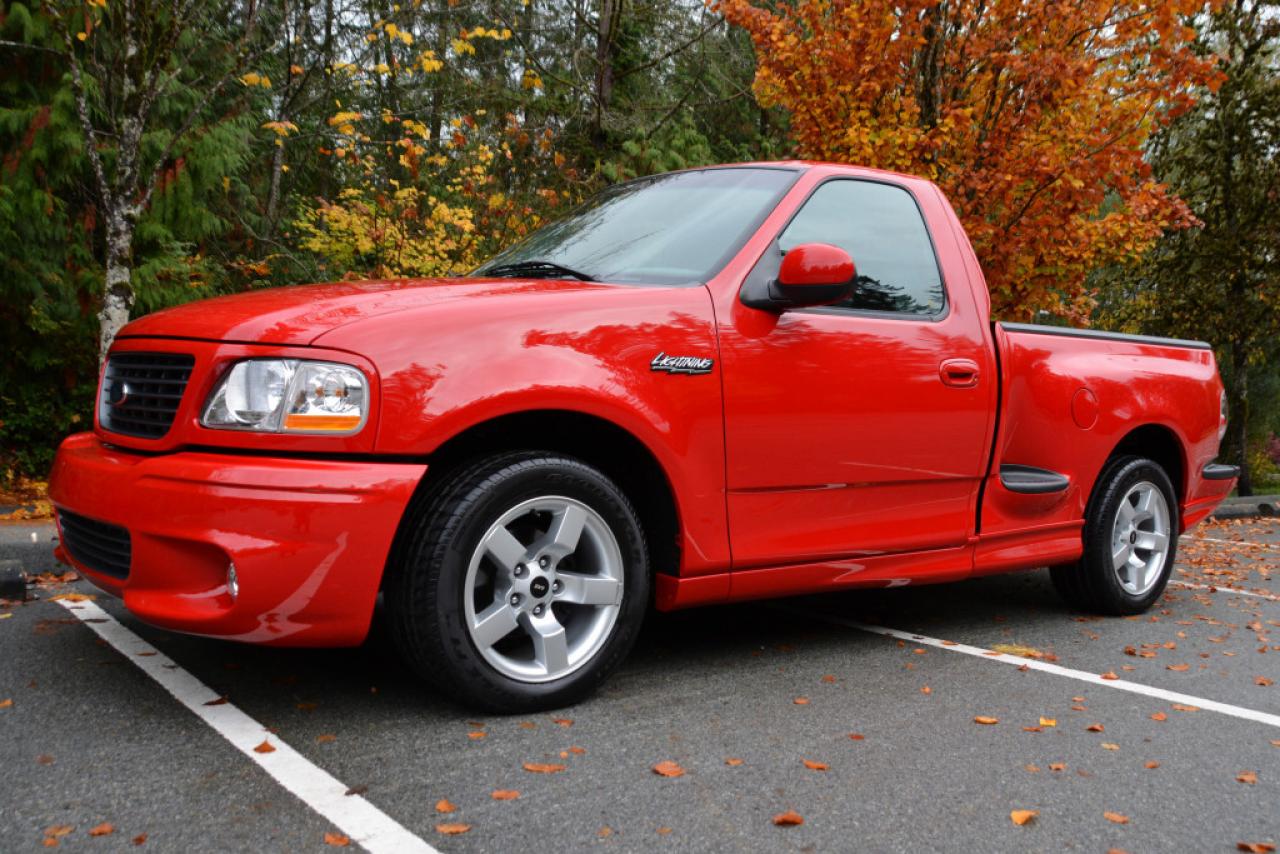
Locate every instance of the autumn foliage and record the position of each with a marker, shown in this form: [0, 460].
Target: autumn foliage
[1031, 115]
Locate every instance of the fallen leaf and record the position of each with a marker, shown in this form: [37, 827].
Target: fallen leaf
[1107, 745]
[1249, 777]
[1032, 729]
[1079, 708]
[828, 678]
[565, 722]
[337, 840]
[452, 829]
[1159, 716]
[356, 790]
[1057, 766]
[1116, 818]
[1034, 769]
[1110, 674]
[663, 831]
[1255, 847]
[58, 830]
[1152, 764]
[1021, 817]
[219, 701]
[1177, 667]
[1263, 682]
[476, 735]
[667, 768]
[857, 736]
[1018, 650]
[4, 704]
[140, 839]
[528, 725]
[983, 719]
[604, 832]
[44, 759]
[443, 805]
[1183, 708]
[326, 738]
[815, 766]
[1094, 728]
[733, 761]
[104, 829]
[505, 795]
[790, 818]
[307, 707]
[542, 768]
[1048, 722]
[265, 747]
[801, 701]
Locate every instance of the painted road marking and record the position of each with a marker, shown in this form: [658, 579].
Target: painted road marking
[1271, 546]
[1218, 588]
[368, 826]
[1046, 667]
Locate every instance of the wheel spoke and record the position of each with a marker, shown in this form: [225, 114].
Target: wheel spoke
[1126, 512]
[493, 624]
[1120, 555]
[550, 646]
[1152, 540]
[565, 531]
[504, 548]
[1146, 497]
[1137, 571]
[582, 589]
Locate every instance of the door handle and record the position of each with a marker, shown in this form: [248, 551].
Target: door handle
[959, 373]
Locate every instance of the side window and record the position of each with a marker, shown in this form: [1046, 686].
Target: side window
[881, 228]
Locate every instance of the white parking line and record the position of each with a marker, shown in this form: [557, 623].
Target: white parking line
[1218, 588]
[368, 826]
[1270, 546]
[1046, 667]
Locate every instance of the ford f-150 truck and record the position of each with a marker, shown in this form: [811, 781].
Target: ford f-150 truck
[707, 386]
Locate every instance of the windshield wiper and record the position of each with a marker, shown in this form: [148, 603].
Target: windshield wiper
[544, 269]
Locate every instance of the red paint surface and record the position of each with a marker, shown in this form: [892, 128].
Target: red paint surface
[826, 449]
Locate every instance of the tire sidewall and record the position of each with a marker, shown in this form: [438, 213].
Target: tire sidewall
[507, 487]
[1116, 482]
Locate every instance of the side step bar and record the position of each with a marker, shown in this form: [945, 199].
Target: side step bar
[1220, 471]
[1029, 480]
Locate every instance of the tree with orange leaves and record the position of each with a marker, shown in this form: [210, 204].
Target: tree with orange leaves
[1032, 115]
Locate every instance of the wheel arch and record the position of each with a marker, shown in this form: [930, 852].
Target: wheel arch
[1160, 444]
[594, 440]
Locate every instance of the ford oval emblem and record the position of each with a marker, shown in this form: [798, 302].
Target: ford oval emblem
[119, 395]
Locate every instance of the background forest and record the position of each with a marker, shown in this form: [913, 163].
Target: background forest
[1114, 162]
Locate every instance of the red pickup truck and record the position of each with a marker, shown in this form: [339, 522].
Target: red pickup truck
[707, 386]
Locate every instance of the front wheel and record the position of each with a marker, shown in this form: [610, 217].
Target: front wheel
[521, 583]
[1130, 541]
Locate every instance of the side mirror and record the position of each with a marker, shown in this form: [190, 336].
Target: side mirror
[813, 274]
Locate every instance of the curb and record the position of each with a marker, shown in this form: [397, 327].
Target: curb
[1244, 507]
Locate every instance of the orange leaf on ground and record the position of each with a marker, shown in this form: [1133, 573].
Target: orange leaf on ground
[443, 805]
[1021, 817]
[450, 829]
[265, 747]
[1110, 674]
[1159, 716]
[1183, 708]
[828, 678]
[1151, 764]
[667, 768]
[326, 738]
[476, 735]
[663, 831]
[801, 701]
[857, 736]
[1107, 745]
[505, 795]
[140, 839]
[542, 768]
[104, 829]
[1249, 777]
[1263, 681]
[983, 719]
[4, 704]
[733, 761]
[790, 818]
[566, 722]
[1116, 818]
[1255, 847]
[1034, 769]
[1177, 667]
[1094, 728]
[337, 840]
[1048, 721]
[815, 766]
[926, 690]
[1057, 766]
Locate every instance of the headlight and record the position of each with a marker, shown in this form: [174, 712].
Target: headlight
[289, 396]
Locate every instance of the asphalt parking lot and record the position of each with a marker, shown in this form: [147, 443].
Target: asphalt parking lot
[858, 713]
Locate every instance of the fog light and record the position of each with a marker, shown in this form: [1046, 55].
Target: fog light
[233, 583]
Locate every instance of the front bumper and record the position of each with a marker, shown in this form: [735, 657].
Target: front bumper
[309, 537]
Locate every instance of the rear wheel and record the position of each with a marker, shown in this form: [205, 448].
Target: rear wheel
[520, 583]
[1130, 541]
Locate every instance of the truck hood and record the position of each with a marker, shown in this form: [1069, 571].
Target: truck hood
[300, 314]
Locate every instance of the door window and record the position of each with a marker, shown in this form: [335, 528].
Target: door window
[881, 228]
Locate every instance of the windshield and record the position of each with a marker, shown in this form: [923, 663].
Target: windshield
[668, 229]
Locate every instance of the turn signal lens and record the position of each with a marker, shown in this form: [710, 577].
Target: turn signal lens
[289, 396]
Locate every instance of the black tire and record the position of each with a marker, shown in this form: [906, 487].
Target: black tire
[1091, 584]
[425, 586]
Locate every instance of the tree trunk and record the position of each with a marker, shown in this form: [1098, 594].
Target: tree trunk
[118, 298]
